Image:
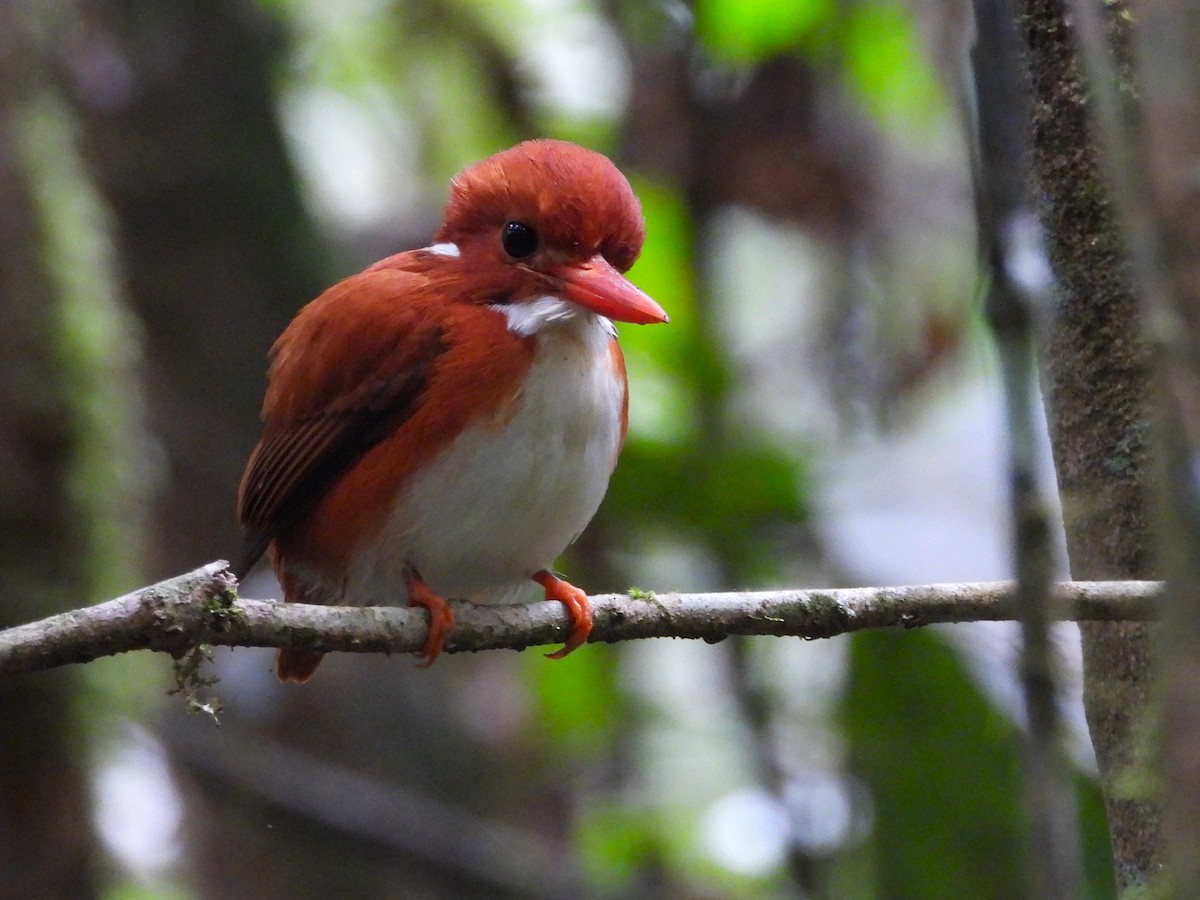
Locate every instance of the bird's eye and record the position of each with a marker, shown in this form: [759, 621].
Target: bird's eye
[519, 240]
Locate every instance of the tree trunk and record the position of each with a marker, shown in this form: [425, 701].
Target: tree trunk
[1097, 391]
[216, 248]
[1168, 144]
[46, 845]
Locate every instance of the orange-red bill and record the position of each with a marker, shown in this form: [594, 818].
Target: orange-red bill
[595, 284]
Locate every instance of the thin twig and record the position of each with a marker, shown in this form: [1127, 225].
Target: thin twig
[202, 607]
[1012, 245]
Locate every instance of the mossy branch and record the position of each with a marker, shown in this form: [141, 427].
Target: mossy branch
[202, 607]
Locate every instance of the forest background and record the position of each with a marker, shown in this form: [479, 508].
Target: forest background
[824, 409]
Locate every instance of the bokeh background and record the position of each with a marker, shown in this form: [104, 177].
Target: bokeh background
[178, 177]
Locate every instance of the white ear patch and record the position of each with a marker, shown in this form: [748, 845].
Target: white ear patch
[532, 316]
[446, 249]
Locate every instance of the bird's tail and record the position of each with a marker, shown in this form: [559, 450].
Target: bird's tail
[297, 665]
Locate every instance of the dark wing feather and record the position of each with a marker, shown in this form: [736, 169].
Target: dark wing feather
[338, 412]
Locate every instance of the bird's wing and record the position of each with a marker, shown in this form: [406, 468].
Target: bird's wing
[348, 371]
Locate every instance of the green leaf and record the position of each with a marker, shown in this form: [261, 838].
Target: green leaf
[578, 700]
[751, 30]
[663, 359]
[942, 768]
[616, 842]
[888, 66]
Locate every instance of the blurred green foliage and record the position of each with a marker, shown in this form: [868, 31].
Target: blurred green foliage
[887, 65]
[677, 473]
[747, 31]
[943, 767]
[98, 358]
[581, 706]
[876, 43]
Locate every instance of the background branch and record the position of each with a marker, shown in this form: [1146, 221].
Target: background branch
[1012, 248]
[202, 607]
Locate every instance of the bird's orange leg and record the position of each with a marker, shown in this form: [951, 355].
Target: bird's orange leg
[577, 605]
[441, 616]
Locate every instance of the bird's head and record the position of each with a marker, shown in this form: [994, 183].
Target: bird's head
[548, 219]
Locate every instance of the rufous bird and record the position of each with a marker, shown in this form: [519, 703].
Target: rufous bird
[444, 424]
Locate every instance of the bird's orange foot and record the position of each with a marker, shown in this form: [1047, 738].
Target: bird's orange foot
[441, 616]
[577, 605]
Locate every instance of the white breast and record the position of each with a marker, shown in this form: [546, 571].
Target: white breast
[502, 502]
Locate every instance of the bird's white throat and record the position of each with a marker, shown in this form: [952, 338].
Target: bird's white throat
[531, 316]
